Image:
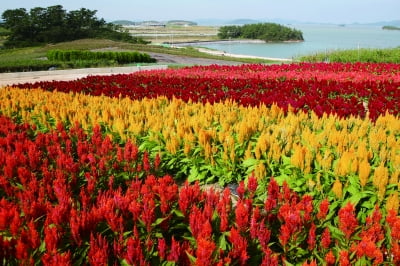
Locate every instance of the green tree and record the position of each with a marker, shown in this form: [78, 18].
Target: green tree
[53, 24]
[263, 31]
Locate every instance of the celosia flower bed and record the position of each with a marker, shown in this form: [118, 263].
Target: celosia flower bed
[99, 179]
[342, 89]
[68, 197]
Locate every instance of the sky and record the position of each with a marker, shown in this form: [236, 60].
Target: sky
[322, 11]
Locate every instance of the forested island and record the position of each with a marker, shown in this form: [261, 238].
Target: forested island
[390, 28]
[54, 24]
[269, 32]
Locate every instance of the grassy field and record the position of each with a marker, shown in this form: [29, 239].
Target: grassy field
[34, 58]
[175, 34]
[356, 55]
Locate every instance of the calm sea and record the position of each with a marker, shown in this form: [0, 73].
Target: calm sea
[318, 38]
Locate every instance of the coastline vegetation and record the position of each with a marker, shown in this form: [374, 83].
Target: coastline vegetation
[390, 28]
[269, 32]
[389, 55]
[35, 58]
[54, 24]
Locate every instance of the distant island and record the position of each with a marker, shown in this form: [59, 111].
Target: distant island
[390, 28]
[155, 23]
[268, 32]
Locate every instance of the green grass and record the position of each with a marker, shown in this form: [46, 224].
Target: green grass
[390, 55]
[34, 58]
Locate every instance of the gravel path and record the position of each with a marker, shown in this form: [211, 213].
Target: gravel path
[72, 74]
[184, 60]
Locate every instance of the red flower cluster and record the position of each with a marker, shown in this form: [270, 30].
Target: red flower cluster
[337, 88]
[58, 206]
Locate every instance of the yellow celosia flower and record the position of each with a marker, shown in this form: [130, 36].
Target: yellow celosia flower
[364, 170]
[337, 188]
[393, 202]
[380, 179]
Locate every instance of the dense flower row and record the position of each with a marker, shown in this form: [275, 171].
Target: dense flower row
[223, 142]
[343, 89]
[68, 197]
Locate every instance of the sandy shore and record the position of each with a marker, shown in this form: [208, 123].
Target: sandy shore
[223, 53]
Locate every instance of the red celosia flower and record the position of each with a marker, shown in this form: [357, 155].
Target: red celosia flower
[175, 253]
[59, 259]
[254, 222]
[264, 235]
[344, 258]
[146, 162]
[98, 252]
[188, 195]
[330, 258]
[285, 234]
[364, 248]
[33, 235]
[269, 258]
[21, 250]
[395, 251]
[347, 220]
[134, 254]
[287, 193]
[157, 161]
[241, 190]
[272, 196]
[395, 229]
[168, 192]
[239, 246]
[311, 240]
[148, 214]
[204, 252]
[162, 248]
[306, 205]
[223, 208]
[323, 209]
[242, 215]
[312, 263]
[326, 238]
[252, 184]
[51, 239]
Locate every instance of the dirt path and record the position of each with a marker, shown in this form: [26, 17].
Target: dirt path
[72, 74]
[184, 60]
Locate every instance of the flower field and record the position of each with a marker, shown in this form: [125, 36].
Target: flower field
[109, 170]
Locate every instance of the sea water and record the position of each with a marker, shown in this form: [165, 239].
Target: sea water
[317, 38]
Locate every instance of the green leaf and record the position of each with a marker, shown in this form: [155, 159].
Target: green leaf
[193, 174]
[222, 242]
[178, 213]
[159, 221]
[124, 263]
[353, 190]
[286, 160]
[191, 258]
[251, 162]
[335, 232]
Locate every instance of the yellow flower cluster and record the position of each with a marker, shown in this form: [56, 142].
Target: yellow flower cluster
[353, 146]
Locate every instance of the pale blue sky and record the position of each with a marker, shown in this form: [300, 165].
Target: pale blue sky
[330, 11]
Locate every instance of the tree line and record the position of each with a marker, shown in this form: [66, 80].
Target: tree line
[269, 32]
[54, 24]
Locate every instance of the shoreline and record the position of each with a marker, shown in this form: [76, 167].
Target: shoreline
[197, 45]
[223, 53]
[192, 43]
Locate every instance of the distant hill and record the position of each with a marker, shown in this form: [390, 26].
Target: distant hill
[243, 21]
[123, 22]
[395, 23]
[181, 23]
[155, 23]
